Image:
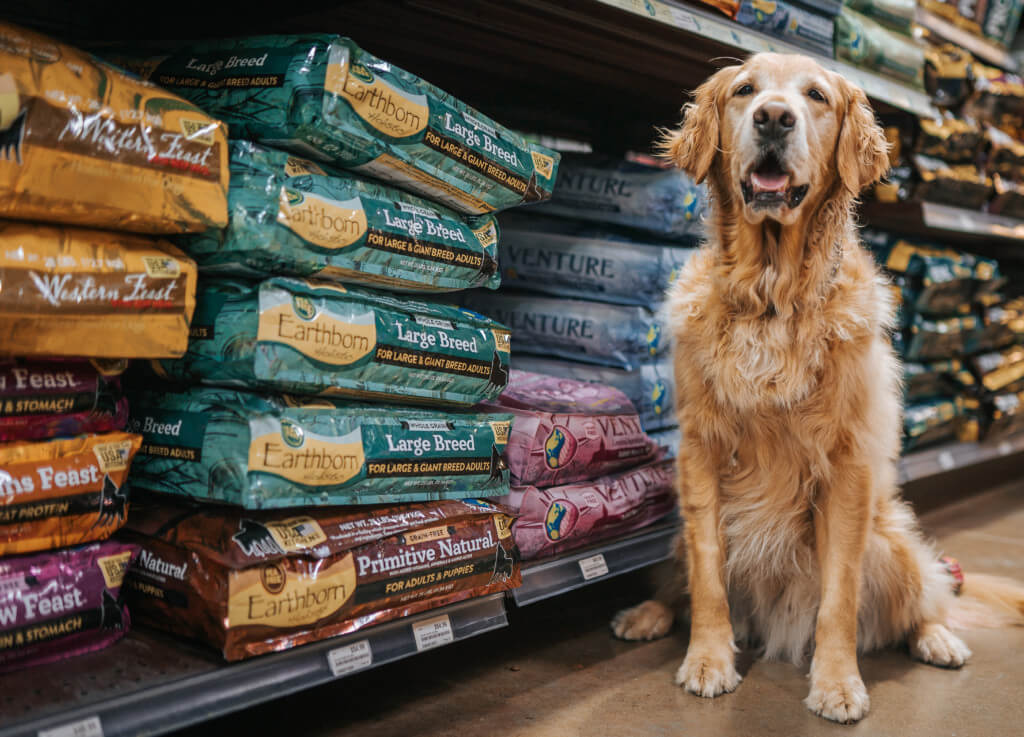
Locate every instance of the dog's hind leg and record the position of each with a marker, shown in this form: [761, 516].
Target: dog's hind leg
[933, 643]
[653, 618]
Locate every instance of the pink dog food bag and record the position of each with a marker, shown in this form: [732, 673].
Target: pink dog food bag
[561, 518]
[59, 604]
[50, 398]
[566, 430]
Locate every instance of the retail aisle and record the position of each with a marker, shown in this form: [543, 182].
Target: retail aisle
[558, 673]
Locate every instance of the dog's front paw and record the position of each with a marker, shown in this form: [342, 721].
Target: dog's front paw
[843, 700]
[708, 672]
[647, 621]
[935, 644]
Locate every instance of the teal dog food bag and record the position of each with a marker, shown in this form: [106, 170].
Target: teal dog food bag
[290, 216]
[306, 337]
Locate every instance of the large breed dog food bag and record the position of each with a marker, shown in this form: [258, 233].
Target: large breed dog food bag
[322, 96]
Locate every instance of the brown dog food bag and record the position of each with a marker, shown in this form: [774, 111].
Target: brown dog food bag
[92, 294]
[83, 143]
[253, 582]
[57, 493]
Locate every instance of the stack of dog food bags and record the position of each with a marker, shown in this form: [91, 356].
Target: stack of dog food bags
[95, 168]
[959, 336]
[803, 23]
[582, 467]
[316, 376]
[585, 276]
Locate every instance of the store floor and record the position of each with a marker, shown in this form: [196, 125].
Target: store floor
[557, 672]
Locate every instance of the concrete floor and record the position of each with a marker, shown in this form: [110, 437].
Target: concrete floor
[557, 672]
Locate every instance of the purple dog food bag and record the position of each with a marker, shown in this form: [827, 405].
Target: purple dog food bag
[59, 604]
[561, 518]
[566, 430]
[50, 398]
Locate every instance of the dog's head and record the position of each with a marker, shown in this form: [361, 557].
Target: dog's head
[777, 132]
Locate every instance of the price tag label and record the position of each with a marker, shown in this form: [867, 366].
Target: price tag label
[433, 632]
[1005, 448]
[350, 658]
[88, 727]
[946, 461]
[593, 567]
[684, 20]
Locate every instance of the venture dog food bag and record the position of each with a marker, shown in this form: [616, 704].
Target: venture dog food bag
[589, 267]
[43, 399]
[320, 338]
[789, 22]
[78, 292]
[291, 217]
[561, 518]
[565, 431]
[669, 441]
[61, 604]
[322, 96]
[82, 143]
[665, 202]
[250, 583]
[862, 42]
[56, 493]
[623, 336]
[650, 387]
[233, 447]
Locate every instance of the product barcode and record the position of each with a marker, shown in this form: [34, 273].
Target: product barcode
[593, 567]
[88, 727]
[350, 658]
[433, 632]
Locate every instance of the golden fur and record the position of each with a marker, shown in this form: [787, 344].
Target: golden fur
[789, 403]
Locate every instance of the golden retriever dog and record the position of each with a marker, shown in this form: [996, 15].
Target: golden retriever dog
[789, 402]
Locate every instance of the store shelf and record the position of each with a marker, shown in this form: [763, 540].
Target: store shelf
[930, 220]
[953, 456]
[983, 49]
[716, 28]
[547, 578]
[150, 684]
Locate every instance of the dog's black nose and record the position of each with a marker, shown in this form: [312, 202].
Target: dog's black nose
[774, 119]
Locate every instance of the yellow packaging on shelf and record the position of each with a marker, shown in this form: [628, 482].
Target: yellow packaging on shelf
[84, 144]
[77, 292]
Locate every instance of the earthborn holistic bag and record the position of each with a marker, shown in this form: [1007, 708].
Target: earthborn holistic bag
[61, 604]
[250, 583]
[56, 493]
[79, 292]
[310, 337]
[233, 447]
[323, 96]
[85, 144]
[290, 217]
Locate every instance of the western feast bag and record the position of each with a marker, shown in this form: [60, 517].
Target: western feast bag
[61, 604]
[43, 399]
[319, 338]
[83, 143]
[79, 292]
[250, 583]
[320, 95]
[56, 493]
[234, 447]
[291, 217]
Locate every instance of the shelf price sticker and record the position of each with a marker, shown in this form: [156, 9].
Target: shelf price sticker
[350, 658]
[88, 727]
[1005, 448]
[433, 632]
[946, 460]
[593, 567]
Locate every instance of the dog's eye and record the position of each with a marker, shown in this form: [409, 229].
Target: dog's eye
[815, 94]
[747, 89]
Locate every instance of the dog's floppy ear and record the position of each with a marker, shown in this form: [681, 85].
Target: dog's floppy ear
[862, 155]
[693, 146]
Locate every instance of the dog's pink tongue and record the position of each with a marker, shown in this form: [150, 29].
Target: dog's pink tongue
[769, 182]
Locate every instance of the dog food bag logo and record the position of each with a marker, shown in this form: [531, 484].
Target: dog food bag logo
[560, 519]
[321, 221]
[392, 111]
[653, 338]
[295, 321]
[285, 599]
[282, 448]
[658, 395]
[559, 447]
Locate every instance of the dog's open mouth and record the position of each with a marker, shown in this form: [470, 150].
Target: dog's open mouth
[768, 185]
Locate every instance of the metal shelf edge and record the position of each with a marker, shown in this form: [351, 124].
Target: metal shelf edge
[191, 700]
[945, 217]
[986, 50]
[934, 461]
